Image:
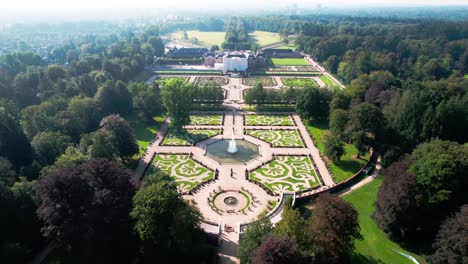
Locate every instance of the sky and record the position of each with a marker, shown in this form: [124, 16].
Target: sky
[63, 4]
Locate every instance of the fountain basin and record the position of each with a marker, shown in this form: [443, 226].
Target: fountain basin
[245, 151]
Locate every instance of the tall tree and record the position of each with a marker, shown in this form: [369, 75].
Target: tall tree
[256, 95]
[49, 145]
[333, 228]
[366, 123]
[440, 168]
[13, 143]
[121, 136]
[86, 209]
[313, 103]
[167, 225]
[177, 98]
[277, 250]
[147, 99]
[252, 238]
[398, 206]
[114, 99]
[291, 225]
[451, 245]
[338, 122]
[334, 148]
[86, 112]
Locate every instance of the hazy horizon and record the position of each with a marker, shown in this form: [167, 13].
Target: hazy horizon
[77, 10]
[244, 4]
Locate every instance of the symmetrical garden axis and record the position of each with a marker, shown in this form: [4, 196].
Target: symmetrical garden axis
[287, 162]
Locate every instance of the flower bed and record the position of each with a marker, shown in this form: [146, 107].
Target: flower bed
[266, 81]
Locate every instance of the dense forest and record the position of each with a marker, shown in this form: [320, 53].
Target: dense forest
[407, 98]
[63, 125]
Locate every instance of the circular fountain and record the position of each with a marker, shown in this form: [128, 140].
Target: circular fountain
[231, 201]
[232, 150]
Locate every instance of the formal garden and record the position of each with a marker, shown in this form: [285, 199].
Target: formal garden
[187, 173]
[268, 120]
[165, 78]
[287, 173]
[213, 120]
[299, 82]
[266, 81]
[190, 137]
[309, 68]
[278, 138]
[218, 80]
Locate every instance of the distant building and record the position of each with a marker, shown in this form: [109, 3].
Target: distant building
[235, 61]
[211, 59]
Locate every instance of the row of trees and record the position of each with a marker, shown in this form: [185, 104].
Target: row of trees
[237, 37]
[403, 92]
[258, 95]
[327, 236]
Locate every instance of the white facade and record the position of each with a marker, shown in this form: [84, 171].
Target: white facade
[235, 63]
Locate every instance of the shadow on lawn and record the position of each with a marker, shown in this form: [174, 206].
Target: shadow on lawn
[349, 165]
[361, 259]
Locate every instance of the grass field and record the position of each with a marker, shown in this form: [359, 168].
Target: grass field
[264, 38]
[288, 62]
[208, 39]
[144, 131]
[466, 76]
[287, 46]
[326, 80]
[299, 82]
[348, 165]
[375, 247]
[204, 38]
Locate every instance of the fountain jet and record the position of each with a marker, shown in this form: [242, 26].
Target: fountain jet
[232, 147]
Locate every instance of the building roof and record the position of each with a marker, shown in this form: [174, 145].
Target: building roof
[235, 54]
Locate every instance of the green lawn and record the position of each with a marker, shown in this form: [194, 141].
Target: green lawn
[326, 80]
[288, 62]
[348, 165]
[375, 247]
[299, 82]
[144, 131]
[264, 38]
[206, 39]
[286, 46]
[466, 76]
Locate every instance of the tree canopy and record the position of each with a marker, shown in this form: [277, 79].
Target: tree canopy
[177, 98]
